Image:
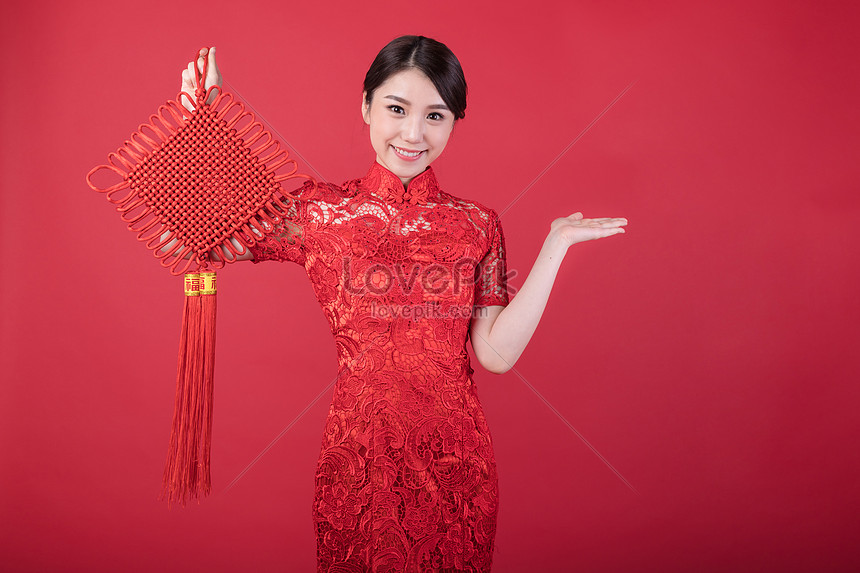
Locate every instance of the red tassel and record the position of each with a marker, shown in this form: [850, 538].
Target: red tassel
[186, 473]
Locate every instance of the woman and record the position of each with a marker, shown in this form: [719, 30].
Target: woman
[406, 273]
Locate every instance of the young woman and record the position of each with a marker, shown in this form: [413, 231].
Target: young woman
[407, 273]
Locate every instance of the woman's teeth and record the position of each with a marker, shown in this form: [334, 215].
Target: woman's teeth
[407, 153]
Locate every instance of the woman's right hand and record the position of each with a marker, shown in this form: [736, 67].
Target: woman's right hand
[189, 78]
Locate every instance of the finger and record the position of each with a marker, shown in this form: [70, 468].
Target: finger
[212, 73]
[603, 221]
[186, 81]
[212, 64]
[590, 222]
[608, 233]
[609, 223]
[201, 58]
[191, 75]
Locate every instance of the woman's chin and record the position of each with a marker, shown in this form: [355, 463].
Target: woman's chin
[405, 170]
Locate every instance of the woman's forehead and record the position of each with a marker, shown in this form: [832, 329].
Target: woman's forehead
[410, 86]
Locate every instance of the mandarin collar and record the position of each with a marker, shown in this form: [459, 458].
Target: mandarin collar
[382, 183]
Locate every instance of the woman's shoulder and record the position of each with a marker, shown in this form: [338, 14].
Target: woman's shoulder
[472, 207]
[315, 190]
[472, 214]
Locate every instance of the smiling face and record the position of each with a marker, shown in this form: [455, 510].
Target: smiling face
[409, 123]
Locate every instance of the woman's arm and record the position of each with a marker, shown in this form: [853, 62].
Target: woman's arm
[500, 336]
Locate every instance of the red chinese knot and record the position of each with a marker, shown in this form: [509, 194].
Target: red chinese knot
[198, 187]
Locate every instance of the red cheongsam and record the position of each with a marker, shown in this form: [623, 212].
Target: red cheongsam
[406, 478]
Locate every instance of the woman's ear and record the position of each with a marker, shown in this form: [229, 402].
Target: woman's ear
[365, 108]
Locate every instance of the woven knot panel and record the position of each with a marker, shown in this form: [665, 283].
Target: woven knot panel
[199, 187]
[203, 182]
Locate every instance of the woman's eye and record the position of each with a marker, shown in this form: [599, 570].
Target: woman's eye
[396, 108]
[436, 116]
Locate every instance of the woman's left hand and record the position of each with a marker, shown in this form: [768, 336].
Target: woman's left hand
[576, 229]
[189, 78]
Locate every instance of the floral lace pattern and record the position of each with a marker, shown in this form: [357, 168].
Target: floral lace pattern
[406, 478]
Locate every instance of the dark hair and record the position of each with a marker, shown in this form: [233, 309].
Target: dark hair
[432, 58]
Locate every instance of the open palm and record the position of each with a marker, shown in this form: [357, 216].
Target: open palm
[576, 229]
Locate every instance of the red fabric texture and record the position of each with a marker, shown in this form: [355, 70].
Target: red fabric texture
[406, 477]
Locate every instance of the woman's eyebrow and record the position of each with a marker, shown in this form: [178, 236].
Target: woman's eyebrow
[407, 102]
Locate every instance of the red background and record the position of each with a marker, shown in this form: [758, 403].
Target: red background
[710, 354]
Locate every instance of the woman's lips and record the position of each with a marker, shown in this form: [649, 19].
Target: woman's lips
[407, 154]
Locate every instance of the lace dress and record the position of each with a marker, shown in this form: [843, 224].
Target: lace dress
[406, 478]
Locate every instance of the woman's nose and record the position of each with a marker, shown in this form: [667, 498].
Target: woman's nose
[413, 130]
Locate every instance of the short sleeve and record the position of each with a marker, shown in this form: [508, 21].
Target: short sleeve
[286, 241]
[491, 287]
